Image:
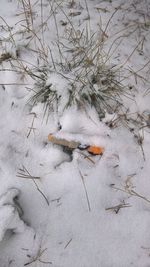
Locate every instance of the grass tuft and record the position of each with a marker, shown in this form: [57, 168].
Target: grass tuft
[89, 80]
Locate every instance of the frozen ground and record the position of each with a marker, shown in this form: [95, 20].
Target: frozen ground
[84, 212]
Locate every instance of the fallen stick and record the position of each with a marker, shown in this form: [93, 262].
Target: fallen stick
[94, 150]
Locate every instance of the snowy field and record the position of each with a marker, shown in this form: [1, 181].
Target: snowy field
[79, 70]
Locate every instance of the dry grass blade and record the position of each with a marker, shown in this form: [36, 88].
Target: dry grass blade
[136, 72]
[123, 64]
[132, 193]
[14, 84]
[68, 243]
[24, 173]
[87, 157]
[11, 38]
[28, 13]
[41, 192]
[117, 208]
[140, 138]
[38, 257]
[85, 189]
[31, 127]
[113, 14]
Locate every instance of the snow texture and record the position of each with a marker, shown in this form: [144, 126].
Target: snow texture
[73, 210]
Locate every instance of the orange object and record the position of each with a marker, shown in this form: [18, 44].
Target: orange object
[95, 150]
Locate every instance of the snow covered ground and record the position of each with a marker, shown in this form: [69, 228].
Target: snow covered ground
[82, 211]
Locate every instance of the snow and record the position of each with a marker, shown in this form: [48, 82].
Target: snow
[9, 215]
[74, 210]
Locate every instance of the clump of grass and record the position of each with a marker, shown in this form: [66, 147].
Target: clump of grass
[44, 92]
[90, 81]
[94, 82]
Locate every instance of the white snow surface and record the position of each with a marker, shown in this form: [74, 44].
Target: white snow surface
[88, 211]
